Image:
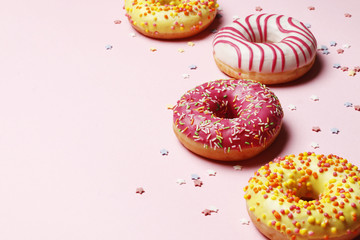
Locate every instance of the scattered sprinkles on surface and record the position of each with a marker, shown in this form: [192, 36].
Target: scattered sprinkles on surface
[316, 129]
[334, 130]
[140, 190]
[164, 152]
[181, 181]
[244, 221]
[211, 172]
[314, 145]
[238, 167]
[198, 183]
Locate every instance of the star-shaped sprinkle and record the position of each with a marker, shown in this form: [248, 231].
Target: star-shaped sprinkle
[323, 47]
[192, 67]
[334, 130]
[348, 15]
[357, 107]
[164, 152]
[326, 52]
[351, 73]
[344, 69]
[340, 51]
[333, 43]
[117, 21]
[211, 172]
[244, 221]
[292, 107]
[198, 183]
[336, 65]
[181, 50]
[140, 190]
[108, 47]
[348, 104]
[357, 69]
[181, 181]
[258, 8]
[311, 8]
[206, 212]
[237, 167]
[314, 98]
[346, 45]
[307, 25]
[152, 49]
[314, 145]
[316, 129]
[132, 34]
[185, 76]
[213, 209]
[191, 44]
[195, 176]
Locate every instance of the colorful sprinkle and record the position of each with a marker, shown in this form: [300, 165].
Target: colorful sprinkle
[292, 107]
[195, 176]
[348, 104]
[164, 152]
[340, 51]
[140, 190]
[198, 183]
[211, 172]
[334, 130]
[244, 221]
[237, 167]
[316, 129]
[181, 181]
[193, 67]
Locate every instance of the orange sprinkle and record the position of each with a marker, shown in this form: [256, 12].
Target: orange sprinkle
[277, 215]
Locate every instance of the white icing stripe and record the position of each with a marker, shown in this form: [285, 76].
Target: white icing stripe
[265, 43]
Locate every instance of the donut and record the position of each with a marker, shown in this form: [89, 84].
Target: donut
[268, 48]
[228, 119]
[170, 19]
[308, 196]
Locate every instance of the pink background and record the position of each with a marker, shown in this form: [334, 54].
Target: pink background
[81, 127]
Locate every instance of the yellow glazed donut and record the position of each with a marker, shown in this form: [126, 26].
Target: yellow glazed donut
[170, 19]
[307, 196]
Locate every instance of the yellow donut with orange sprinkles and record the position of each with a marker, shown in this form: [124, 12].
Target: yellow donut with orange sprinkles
[170, 19]
[307, 196]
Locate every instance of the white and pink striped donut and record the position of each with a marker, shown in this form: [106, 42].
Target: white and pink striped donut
[268, 48]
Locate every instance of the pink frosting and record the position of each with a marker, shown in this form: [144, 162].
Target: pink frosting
[229, 114]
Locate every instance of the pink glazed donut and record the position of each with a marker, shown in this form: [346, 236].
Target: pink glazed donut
[268, 48]
[228, 120]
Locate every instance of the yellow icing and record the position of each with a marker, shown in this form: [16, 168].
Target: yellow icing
[307, 196]
[158, 17]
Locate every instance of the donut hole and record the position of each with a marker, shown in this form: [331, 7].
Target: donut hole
[222, 109]
[307, 194]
